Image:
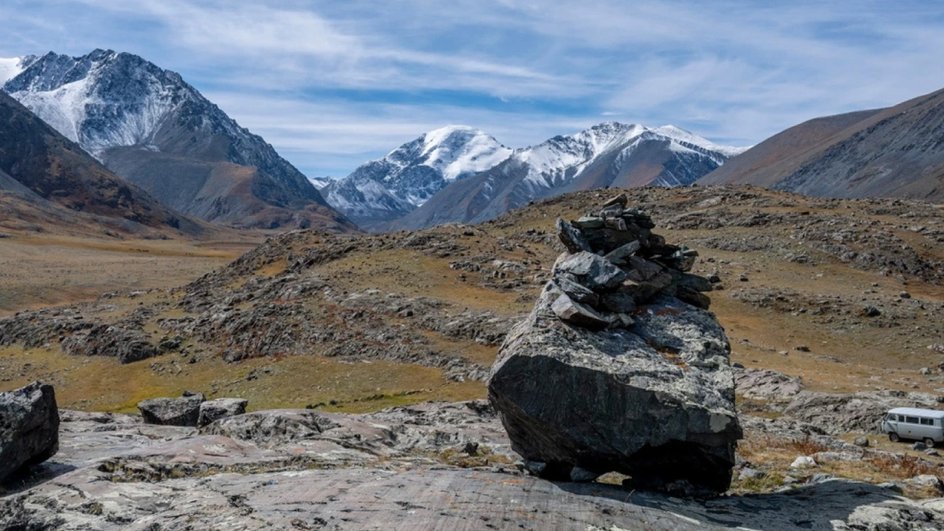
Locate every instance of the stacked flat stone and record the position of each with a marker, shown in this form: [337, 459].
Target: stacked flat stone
[617, 263]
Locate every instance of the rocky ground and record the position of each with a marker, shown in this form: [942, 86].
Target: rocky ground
[429, 466]
[846, 294]
[840, 299]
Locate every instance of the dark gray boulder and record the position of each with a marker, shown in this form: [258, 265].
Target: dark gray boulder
[654, 401]
[29, 427]
[221, 408]
[183, 411]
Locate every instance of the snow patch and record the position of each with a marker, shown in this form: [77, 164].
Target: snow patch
[63, 108]
[10, 67]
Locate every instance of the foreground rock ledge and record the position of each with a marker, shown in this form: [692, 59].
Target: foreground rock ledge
[649, 394]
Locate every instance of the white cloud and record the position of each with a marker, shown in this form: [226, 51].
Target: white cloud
[329, 83]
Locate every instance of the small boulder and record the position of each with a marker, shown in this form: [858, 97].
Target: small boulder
[861, 442]
[221, 408]
[803, 461]
[29, 427]
[183, 411]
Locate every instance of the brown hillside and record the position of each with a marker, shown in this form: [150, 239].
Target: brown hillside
[893, 152]
[357, 322]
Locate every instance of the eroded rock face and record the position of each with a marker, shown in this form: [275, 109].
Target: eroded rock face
[29, 427]
[183, 411]
[630, 378]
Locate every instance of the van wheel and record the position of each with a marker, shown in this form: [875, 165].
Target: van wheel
[929, 442]
[893, 437]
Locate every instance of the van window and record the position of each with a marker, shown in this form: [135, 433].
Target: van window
[927, 422]
[911, 420]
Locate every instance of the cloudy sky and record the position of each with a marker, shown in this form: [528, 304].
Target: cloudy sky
[331, 84]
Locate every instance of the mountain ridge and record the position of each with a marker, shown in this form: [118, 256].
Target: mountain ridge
[892, 152]
[150, 126]
[609, 154]
[44, 175]
[392, 192]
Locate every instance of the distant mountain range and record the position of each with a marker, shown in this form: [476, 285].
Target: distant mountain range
[892, 152]
[46, 180]
[148, 125]
[460, 174]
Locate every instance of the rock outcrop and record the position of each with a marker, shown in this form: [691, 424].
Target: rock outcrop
[427, 466]
[182, 411]
[620, 367]
[29, 427]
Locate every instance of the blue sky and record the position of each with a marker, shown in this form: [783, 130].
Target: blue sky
[332, 84]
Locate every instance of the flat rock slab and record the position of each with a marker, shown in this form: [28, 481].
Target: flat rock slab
[124, 474]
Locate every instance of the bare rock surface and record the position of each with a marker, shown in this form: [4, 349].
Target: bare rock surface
[29, 427]
[387, 470]
[633, 376]
[765, 384]
[842, 413]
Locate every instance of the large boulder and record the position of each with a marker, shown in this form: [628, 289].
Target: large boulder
[29, 427]
[650, 395]
[221, 408]
[183, 411]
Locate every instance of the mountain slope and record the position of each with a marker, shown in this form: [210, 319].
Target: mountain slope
[892, 152]
[148, 125]
[608, 154]
[44, 175]
[385, 189]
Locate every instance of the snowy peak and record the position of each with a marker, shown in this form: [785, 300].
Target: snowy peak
[409, 175]
[456, 150]
[452, 151]
[563, 159]
[150, 126]
[101, 100]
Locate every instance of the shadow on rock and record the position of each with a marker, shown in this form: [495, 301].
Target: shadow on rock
[833, 504]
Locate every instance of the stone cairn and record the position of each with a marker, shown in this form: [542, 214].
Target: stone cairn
[620, 367]
[617, 263]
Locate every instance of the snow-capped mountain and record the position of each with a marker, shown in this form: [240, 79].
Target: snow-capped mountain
[49, 181]
[148, 125]
[607, 154]
[384, 189]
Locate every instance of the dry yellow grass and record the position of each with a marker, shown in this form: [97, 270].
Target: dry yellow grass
[103, 384]
[44, 270]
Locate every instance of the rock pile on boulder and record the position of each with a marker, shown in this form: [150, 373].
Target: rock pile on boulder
[619, 366]
[29, 427]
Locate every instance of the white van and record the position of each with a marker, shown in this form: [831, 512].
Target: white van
[914, 423]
